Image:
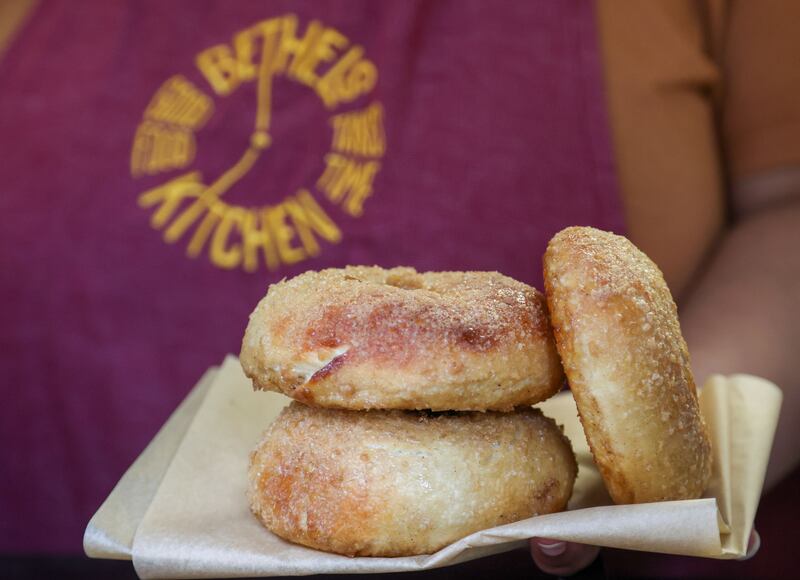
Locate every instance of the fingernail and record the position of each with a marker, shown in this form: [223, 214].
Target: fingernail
[752, 546]
[552, 549]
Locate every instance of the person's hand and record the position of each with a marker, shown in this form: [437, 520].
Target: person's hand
[753, 545]
[561, 558]
[567, 558]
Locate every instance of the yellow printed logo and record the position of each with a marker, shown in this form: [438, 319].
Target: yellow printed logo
[190, 208]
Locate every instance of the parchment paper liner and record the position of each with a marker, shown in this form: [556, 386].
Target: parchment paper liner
[180, 511]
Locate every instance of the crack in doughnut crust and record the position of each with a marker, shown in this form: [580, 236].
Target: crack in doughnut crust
[369, 338]
[399, 483]
[617, 330]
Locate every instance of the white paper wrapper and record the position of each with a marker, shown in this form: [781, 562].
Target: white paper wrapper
[181, 512]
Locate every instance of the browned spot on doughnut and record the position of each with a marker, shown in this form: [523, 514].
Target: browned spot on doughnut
[407, 280]
[477, 340]
[306, 496]
[546, 489]
[335, 363]
[280, 324]
[326, 331]
[278, 483]
[304, 395]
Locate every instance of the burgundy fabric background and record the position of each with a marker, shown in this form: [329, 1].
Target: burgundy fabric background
[496, 139]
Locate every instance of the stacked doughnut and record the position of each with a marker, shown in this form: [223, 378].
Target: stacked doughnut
[412, 423]
[404, 435]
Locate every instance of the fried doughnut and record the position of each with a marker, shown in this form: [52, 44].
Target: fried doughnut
[399, 483]
[369, 338]
[617, 330]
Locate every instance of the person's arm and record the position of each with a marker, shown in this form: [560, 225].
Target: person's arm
[743, 311]
[13, 14]
[743, 315]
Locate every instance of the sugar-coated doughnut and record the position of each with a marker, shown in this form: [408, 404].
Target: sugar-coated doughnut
[617, 330]
[398, 483]
[369, 338]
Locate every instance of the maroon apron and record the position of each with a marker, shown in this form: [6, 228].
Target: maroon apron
[164, 162]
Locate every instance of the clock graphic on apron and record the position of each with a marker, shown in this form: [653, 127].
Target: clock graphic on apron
[194, 210]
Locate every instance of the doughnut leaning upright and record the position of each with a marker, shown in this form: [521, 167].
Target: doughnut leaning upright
[617, 331]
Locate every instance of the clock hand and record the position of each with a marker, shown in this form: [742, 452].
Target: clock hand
[261, 138]
[259, 141]
[211, 194]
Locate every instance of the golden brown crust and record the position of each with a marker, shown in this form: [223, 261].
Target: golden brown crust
[369, 338]
[617, 330]
[397, 483]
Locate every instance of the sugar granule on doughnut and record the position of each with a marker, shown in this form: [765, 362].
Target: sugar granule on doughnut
[369, 338]
[617, 330]
[399, 483]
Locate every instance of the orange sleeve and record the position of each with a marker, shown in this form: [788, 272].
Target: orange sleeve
[13, 14]
[761, 91]
[661, 84]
